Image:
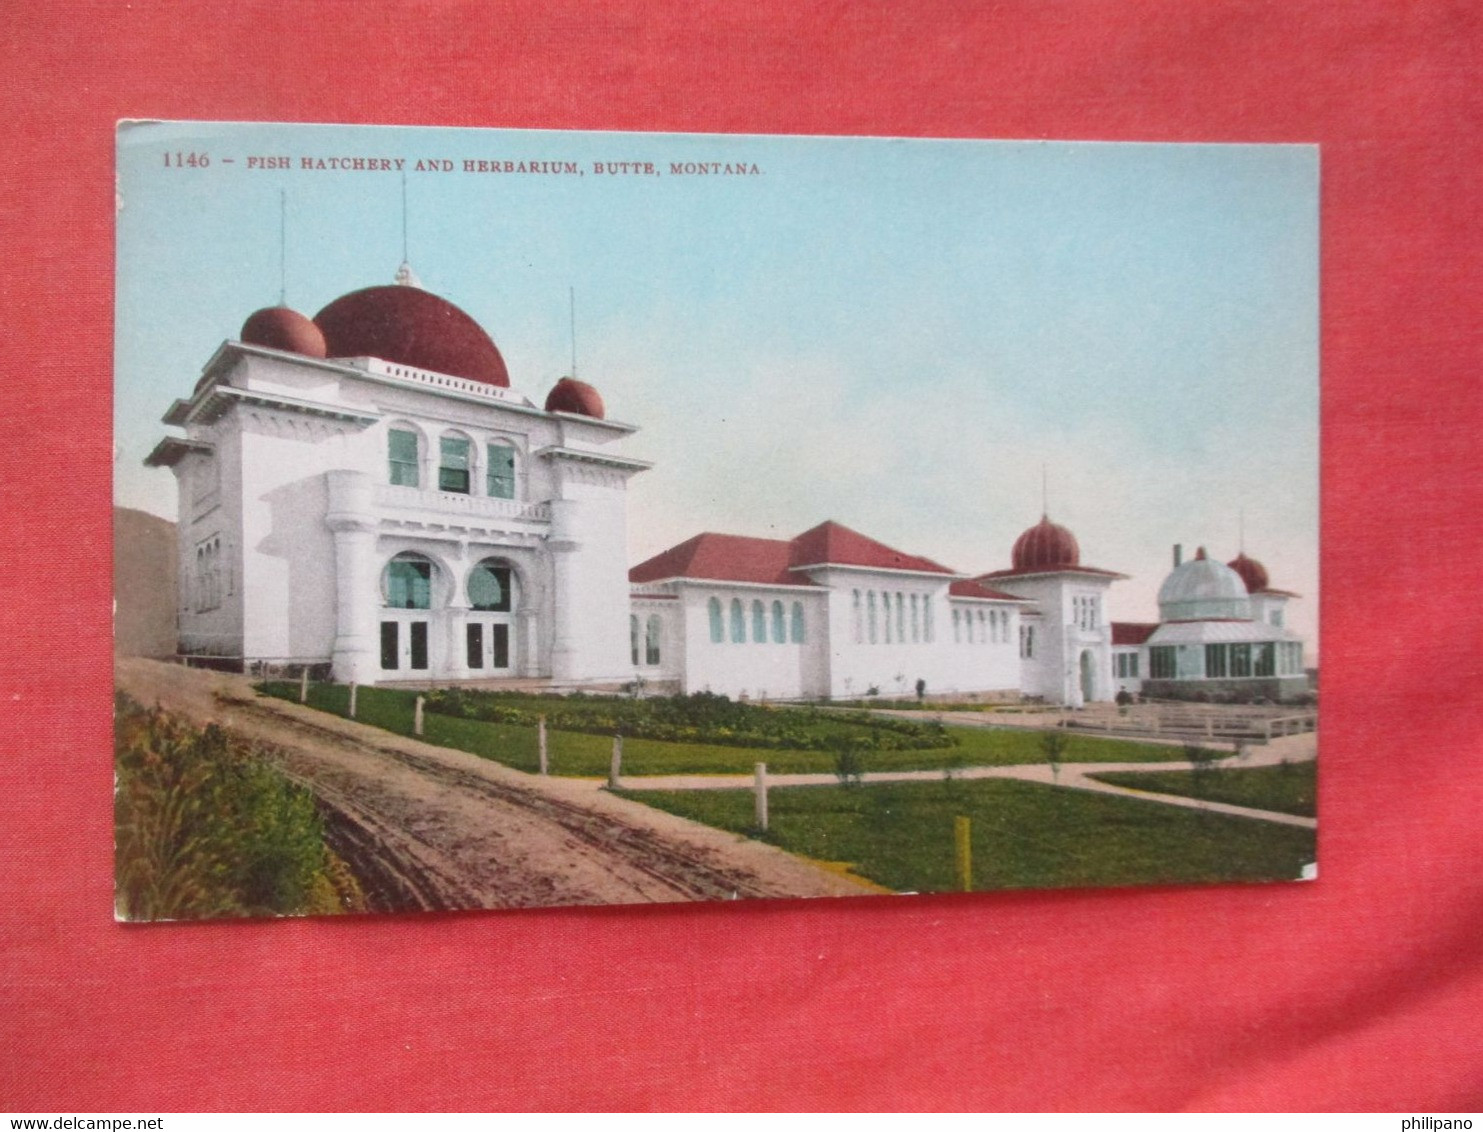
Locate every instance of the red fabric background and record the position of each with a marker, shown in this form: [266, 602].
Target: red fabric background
[1360, 991]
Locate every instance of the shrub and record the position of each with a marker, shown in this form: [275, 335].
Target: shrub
[206, 826]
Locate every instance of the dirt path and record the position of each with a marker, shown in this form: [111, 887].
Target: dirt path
[425, 827]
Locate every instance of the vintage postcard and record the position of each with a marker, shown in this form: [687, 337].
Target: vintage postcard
[519, 518]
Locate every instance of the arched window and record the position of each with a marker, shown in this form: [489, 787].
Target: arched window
[957, 628]
[738, 623]
[633, 638]
[927, 618]
[718, 632]
[798, 622]
[901, 617]
[491, 588]
[983, 634]
[870, 615]
[857, 619]
[499, 476]
[916, 620]
[779, 629]
[652, 629]
[1029, 642]
[886, 617]
[403, 456]
[759, 623]
[408, 582]
[455, 464]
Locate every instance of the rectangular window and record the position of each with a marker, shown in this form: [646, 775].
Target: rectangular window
[389, 644]
[501, 645]
[402, 448]
[651, 639]
[1241, 660]
[1161, 662]
[476, 646]
[453, 465]
[1215, 661]
[1266, 659]
[501, 477]
[418, 630]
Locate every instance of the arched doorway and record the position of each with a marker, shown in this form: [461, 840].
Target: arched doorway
[406, 600]
[489, 631]
[1087, 668]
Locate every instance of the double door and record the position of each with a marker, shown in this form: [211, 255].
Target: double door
[404, 645]
[487, 644]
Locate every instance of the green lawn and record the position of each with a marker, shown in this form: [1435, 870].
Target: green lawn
[1025, 835]
[1286, 788]
[583, 755]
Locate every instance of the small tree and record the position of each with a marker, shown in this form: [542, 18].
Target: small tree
[1203, 767]
[1053, 743]
[849, 765]
[921, 689]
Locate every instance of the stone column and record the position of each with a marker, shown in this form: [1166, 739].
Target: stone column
[562, 542]
[352, 520]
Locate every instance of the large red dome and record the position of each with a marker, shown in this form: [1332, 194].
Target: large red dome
[1045, 546]
[413, 327]
[1252, 572]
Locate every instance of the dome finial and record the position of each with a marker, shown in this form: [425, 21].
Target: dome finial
[405, 276]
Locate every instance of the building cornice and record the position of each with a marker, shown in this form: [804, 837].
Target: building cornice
[582, 456]
[170, 451]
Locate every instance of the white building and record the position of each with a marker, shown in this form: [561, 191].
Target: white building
[365, 491]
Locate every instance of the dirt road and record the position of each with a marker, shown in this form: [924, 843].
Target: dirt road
[429, 828]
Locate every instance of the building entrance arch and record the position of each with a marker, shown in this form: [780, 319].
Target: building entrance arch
[490, 625]
[1088, 669]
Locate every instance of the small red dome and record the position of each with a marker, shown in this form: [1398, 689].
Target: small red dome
[1044, 546]
[572, 396]
[279, 328]
[1252, 572]
[412, 327]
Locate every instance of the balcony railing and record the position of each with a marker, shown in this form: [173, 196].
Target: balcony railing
[450, 503]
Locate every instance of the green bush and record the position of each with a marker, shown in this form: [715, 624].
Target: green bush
[206, 825]
[701, 717]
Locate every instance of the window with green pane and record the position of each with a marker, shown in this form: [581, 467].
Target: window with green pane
[489, 588]
[402, 449]
[453, 464]
[501, 477]
[409, 583]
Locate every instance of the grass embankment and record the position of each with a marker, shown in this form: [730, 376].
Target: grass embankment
[1025, 835]
[207, 826]
[1287, 788]
[581, 754]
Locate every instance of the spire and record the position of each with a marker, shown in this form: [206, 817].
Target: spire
[283, 247]
[572, 296]
[405, 276]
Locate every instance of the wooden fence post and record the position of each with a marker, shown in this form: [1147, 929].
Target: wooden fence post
[760, 798]
[541, 744]
[351, 712]
[304, 685]
[615, 770]
[417, 717]
[963, 845]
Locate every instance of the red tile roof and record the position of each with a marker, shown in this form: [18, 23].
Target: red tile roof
[722, 558]
[766, 561]
[839, 546]
[967, 588]
[1132, 632]
[1033, 570]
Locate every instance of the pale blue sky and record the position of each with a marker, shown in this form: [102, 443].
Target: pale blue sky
[895, 334]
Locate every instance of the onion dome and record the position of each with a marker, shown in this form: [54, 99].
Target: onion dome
[572, 396]
[412, 327]
[279, 328]
[1252, 572]
[1045, 546]
[1203, 589]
